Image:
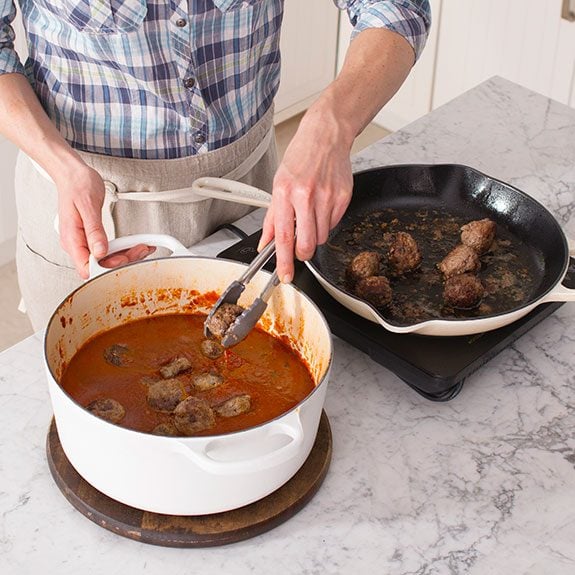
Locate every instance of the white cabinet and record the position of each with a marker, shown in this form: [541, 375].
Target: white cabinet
[525, 41]
[7, 201]
[8, 154]
[308, 50]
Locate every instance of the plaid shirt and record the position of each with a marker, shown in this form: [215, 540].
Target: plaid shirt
[157, 79]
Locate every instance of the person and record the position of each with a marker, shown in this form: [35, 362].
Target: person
[121, 105]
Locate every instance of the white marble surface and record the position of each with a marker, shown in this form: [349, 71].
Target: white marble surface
[483, 484]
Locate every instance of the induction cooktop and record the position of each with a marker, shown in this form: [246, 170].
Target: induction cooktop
[435, 367]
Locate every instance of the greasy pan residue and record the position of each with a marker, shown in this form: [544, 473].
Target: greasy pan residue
[507, 271]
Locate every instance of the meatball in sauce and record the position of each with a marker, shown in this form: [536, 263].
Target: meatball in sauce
[223, 318]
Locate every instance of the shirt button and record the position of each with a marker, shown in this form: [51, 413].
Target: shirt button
[199, 138]
[189, 82]
[180, 22]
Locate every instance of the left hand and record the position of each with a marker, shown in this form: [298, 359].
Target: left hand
[311, 191]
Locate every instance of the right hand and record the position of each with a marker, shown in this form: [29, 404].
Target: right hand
[80, 200]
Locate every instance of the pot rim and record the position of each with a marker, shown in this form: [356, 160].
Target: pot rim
[321, 382]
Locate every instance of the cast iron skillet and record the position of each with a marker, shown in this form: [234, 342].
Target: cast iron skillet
[525, 269]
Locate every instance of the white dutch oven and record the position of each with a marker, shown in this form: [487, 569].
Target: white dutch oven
[183, 475]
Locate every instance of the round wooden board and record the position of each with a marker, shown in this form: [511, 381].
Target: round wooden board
[192, 531]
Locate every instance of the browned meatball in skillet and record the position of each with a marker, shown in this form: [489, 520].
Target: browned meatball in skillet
[165, 395]
[375, 290]
[459, 260]
[234, 406]
[478, 235]
[464, 291]
[223, 318]
[175, 366]
[211, 349]
[193, 415]
[363, 265]
[403, 255]
[108, 409]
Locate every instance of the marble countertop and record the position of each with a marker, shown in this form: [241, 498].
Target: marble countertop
[483, 484]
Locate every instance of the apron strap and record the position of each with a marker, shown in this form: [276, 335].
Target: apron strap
[179, 196]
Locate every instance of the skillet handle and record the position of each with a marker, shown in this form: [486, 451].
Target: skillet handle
[561, 292]
[126, 242]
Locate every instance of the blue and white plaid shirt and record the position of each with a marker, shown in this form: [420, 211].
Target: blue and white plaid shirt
[157, 79]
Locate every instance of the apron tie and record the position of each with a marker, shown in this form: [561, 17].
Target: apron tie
[178, 196]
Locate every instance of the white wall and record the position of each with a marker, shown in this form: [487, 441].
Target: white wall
[525, 41]
[7, 203]
[7, 160]
[309, 51]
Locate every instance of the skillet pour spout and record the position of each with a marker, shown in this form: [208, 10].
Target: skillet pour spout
[524, 269]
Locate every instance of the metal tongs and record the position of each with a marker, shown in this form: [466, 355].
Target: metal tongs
[246, 321]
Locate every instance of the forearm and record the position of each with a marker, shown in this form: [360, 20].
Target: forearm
[24, 122]
[376, 64]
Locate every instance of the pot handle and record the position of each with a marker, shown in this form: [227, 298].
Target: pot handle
[231, 191]
[203, 455]
[126, 242]
[561, 292]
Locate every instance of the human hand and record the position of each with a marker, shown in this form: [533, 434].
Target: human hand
[311, 191]
[80, 199]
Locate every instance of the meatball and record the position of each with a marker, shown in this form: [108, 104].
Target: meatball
[193, 415]
[363, 265]
[175, 366]
[207, 380]
[459, 260]
[148, 380]
[223, 318]
[234, 406]
[463, 291]
[108, 409]
[375, 290]
[478, 235]
[117, 355]
[211, 348]
[168, 429]
[165, 395]
[403, 254]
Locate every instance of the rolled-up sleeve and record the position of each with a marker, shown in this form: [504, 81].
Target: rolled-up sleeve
[9, 61]
[409, 18]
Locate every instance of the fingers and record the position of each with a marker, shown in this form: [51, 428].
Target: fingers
[284, 234]
[267, 229]
[124, 257]
[300, 219]
[73, 239]
[80, 200]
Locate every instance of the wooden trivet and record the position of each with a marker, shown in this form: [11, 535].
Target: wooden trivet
[192, 531]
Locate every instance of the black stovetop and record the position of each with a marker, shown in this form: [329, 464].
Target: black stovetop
[436, 367]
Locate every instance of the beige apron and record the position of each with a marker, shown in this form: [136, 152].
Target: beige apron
[142, 196]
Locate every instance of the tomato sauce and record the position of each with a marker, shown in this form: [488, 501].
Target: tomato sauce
[262, 366]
